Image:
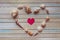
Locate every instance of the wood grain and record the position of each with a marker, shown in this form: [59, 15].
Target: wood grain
[10, 31]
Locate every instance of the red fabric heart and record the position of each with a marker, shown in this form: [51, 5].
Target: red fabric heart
[30, 21]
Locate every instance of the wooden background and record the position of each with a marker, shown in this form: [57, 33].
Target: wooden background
[10, 31]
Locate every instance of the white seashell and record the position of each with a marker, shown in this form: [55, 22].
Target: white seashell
[39, 28]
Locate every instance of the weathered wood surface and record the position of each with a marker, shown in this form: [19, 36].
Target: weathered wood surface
[10, 31]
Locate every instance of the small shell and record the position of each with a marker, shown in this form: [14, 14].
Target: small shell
[40, 28]
[20, 7]
[30, 33]
[36, 34]
[47, 19]
[42, 6]
[14, 13]
[28, 10]
[43, 24]
[47, 11]
[26, 30]
[36, 11]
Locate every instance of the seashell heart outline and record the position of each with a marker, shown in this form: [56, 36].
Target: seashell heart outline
[15, 13]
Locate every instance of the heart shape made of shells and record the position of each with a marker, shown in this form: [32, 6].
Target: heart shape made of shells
[27, 9]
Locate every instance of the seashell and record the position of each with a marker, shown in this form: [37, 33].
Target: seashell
[14, 13]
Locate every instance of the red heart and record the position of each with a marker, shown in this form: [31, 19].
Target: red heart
[30, 21]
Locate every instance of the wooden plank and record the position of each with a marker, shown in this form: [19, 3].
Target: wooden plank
[29, 16]
[26, 25]
[43, 35]
[25, 20]
[19, 31]
[29, 38]
[30, 4]
[52, 10]
[28, 1]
